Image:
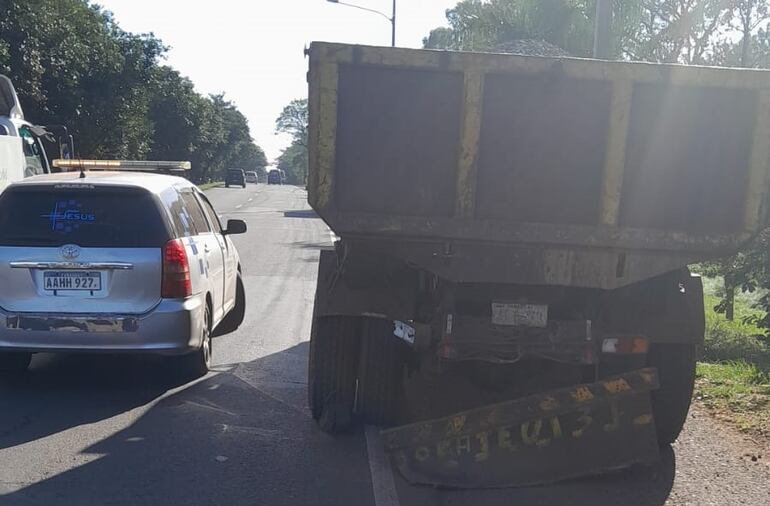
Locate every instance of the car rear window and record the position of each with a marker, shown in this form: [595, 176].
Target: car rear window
[97, 217]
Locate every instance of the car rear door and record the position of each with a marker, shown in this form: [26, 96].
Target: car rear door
[228, 251]
[213, 256]
[80, 248]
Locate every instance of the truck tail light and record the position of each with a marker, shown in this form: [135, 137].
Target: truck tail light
[176, 271]
[625, 345]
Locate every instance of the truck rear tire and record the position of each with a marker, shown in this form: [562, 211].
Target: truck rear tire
[671, 402]
[332, 365]
[380, 373]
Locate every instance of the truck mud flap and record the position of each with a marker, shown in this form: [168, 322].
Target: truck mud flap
[566, 433]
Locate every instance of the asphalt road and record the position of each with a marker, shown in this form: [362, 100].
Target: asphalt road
[120, 430]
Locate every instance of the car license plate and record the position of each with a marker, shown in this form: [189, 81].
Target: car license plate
[72, 280]
[528, 315]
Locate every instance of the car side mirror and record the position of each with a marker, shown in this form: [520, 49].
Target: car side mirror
[235, 227]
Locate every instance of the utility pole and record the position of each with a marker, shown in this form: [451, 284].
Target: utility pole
[603, 30]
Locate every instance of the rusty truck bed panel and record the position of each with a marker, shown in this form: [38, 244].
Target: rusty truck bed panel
[564, 156]
[561, 434]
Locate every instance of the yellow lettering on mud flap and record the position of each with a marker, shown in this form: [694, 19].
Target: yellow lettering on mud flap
[582, 394]
[504, 439]
[463, 444]
[585, 421]
[483, 453]
[616, 386]
[443, 448]
[614, 418]
[422, 453]
[530, 433]
[455, 425]
[556, 427]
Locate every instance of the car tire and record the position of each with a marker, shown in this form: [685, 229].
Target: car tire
[332, 367]
[671, 401]
[244, 185]
[198, 363]
[14, 362]
[380, 374]
[227, 185]
[234, 318]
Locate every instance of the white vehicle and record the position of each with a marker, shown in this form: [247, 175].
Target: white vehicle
[22, 153]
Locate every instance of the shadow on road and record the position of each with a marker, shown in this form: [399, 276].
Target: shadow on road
[237, 437]
[222, 440]
[65, 391]
[300, 213]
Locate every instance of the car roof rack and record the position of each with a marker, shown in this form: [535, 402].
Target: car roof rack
[121, 165]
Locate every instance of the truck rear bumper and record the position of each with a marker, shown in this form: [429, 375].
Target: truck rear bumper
[561, 434]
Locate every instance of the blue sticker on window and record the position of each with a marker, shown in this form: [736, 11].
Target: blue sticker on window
[68, 215]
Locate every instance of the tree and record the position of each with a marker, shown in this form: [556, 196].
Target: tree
[293, 121]
[73, 65]
[293, 161]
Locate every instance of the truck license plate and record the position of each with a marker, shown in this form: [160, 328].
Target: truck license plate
[72, 280]
[528, 315]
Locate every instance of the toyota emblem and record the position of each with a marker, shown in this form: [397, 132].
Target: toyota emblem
[70, 251]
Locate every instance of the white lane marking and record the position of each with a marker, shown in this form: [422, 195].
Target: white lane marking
[239, 205]
[209, 405]
[383, 484]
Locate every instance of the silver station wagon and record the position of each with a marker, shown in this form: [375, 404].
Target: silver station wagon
[115, 262]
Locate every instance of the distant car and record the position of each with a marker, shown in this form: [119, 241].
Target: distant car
[115, 262]
[252, 177]
[274, 177]
[235, 177]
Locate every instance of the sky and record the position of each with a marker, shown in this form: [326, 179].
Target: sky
[253, 50]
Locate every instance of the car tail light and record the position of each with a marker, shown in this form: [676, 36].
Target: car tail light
[176, 271]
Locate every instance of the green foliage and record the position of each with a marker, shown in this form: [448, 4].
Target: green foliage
[695, 31]
[73, 65]
[738, 392]
[294, 159]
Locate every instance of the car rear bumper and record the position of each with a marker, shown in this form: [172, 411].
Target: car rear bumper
[170, 328]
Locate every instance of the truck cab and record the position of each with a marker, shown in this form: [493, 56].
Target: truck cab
[22, 149]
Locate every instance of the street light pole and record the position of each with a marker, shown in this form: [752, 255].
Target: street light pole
[393, 26]
[392, 18]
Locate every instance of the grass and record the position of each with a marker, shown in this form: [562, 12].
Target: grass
[206, 186]
[733, 377]
[738, 392]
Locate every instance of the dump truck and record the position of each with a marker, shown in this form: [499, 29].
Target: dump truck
[509, 296]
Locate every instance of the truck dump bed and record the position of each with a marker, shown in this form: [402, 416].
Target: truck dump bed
[579, 172]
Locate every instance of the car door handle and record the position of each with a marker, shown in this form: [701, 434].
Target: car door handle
[206, 248]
